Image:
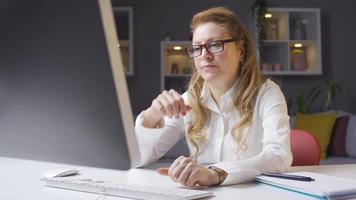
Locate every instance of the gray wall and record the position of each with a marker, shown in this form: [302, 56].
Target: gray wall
[152, 19]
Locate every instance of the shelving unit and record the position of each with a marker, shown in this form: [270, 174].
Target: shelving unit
[124, 25]
[176, 66]
[291, 44]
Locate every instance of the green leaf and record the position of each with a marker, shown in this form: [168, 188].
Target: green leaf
[308, 97]
[301, 103]
[313, 98]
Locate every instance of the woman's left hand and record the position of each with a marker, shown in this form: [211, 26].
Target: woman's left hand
[186, 171]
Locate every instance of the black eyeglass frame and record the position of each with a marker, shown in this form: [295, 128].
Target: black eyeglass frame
[223, 42]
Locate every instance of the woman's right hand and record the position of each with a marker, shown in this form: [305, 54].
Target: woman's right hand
[168, 103]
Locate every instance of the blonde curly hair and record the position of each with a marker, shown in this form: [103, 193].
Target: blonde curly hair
[249, 80]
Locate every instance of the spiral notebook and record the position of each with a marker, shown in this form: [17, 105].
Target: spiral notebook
[324, 186]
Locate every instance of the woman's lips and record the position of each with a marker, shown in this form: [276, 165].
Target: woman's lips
[208, 66]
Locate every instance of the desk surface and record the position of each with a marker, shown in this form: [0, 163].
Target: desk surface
[20, 179]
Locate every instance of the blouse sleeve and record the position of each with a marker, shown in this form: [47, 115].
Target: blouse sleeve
[276, 155]
[155, 142]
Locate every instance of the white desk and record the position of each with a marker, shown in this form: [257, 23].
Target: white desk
[20, 179]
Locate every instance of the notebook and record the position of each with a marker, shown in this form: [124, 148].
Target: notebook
[324, 186]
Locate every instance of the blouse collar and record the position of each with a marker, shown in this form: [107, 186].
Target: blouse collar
[226, 100]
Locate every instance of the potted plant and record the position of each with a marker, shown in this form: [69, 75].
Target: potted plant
[259, 11]
[325, 92]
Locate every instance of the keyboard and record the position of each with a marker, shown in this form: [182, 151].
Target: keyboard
[125, 190]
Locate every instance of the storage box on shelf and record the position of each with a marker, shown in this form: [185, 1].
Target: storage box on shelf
[176, 66]
[291, 43]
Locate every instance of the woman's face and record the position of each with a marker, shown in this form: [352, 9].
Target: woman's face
[220, 68]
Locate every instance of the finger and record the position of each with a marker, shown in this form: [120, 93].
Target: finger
[182, 106]
[183, 177]
[180, 101]
[174, 104]
[163, 171]
[184, 162]
[156, 105]
[167, 106]
[176, 172]
[192, 180]
[177, 162]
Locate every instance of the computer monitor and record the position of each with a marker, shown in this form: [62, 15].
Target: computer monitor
[63, 93]
[118, 71]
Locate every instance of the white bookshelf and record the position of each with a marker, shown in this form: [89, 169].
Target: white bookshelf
[176, 66]
[285, 28]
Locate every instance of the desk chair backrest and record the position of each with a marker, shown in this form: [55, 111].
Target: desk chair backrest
[305, 148]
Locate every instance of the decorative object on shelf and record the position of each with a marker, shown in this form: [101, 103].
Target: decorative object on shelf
[272, 29]
[167, 37]
[278, 67]
[266, 67]
[174, 69]
[305, 25]
[298, 59]
[299, 29]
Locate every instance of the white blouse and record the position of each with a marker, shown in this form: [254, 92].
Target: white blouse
[268, 137]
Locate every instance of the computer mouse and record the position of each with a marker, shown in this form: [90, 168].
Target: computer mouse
[60, 172]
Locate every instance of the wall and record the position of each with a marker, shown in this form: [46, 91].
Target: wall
[154, 18]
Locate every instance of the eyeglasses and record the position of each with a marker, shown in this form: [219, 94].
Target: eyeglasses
[211, 47]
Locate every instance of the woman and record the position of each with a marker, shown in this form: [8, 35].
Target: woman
[236, 125]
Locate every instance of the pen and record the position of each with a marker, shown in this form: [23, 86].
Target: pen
[289, 176]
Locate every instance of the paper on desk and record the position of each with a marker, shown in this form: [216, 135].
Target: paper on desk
[324, 186]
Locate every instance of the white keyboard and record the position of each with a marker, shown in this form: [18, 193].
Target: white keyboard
[125, 190]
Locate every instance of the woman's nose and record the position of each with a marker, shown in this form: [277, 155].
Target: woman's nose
[206, 54]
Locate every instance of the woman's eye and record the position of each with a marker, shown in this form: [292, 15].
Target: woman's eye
[215, 44]
[196, 48]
